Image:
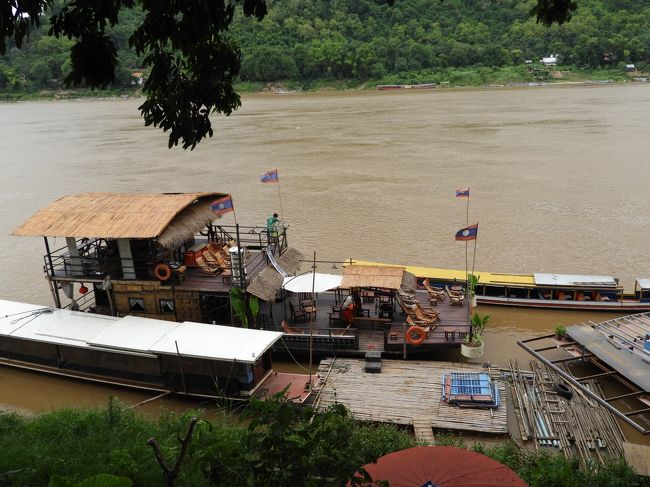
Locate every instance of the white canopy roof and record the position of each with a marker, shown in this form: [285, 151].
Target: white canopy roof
[573, 280]
[132, 334]
[304, 282]
[216, 342]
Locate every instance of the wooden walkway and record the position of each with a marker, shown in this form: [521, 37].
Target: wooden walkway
[423, 431]
[405, 390]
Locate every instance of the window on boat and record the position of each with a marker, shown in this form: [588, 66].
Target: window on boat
[136, 304]
[167, 306]
[518, 292]
[495, 291]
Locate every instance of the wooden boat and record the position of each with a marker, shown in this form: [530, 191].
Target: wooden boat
[192, 359]
[541, 290]
[167, 257]
[421, 86]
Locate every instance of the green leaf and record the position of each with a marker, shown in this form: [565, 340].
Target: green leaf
[105, 480]
[58, 481]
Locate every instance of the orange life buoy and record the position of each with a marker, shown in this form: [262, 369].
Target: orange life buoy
[162, 271]
[415, 335]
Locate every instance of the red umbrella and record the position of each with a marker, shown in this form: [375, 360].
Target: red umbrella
[441, 466]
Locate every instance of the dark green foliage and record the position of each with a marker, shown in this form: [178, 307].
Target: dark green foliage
[77, 444]
[283, 444]
[286, 444]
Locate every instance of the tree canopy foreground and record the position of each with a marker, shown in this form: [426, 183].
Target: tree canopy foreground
[192, 61]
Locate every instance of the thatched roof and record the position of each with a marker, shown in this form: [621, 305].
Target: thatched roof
[386, 277]
[172, 217]
[269, 281]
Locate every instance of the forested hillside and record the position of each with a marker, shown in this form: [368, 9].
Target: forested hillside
[368, 40]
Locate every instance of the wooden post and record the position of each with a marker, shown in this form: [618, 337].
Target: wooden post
[180, 366]
[57, 297]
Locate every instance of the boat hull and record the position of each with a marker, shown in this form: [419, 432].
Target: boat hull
[625, 307]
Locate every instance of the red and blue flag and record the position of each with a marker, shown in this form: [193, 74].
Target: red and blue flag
[270, 176]
[222, 205]
[462, 193]
[467, 233]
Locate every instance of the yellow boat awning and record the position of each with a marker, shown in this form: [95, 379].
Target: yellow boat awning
[459, 275]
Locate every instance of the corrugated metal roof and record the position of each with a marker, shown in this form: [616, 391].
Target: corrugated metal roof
[573, 280]
[109, 215]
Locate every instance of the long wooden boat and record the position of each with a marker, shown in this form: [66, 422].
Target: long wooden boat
[542, 290]
[191, 359]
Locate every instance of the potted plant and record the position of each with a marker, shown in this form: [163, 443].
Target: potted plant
[472, 282]
[560, 332]
[473, 346]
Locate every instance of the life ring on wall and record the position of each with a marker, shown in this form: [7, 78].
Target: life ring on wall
[162, 271]
[415, 335]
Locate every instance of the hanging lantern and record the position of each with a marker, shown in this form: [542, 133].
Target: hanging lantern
[83, 289]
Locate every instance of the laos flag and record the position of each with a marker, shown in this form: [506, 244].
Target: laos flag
[462, 193]
[270, 176]
[467, 233]
[222, 205]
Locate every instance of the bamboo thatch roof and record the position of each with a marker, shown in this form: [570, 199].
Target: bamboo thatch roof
[269, 281]
[172, 217]
[386, 277]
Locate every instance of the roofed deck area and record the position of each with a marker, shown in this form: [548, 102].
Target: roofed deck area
[169, 239]
[381, 327]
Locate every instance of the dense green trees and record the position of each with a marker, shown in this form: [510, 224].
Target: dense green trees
[281, 444]
[366, 40]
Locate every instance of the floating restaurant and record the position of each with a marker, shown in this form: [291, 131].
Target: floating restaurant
[167, 257]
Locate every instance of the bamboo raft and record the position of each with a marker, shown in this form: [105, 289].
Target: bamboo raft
[405, 390]
[579, 427]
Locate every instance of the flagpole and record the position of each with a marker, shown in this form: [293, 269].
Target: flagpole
[475, 243]
[469, 300]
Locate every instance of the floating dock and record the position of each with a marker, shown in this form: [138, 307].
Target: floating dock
[619, 343]
[406, 393]
[619, 349]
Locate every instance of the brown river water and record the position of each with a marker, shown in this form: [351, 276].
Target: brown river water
[559, 183]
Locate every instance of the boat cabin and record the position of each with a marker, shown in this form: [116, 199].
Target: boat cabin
[186, 358]
[560, 287]
[642, 290]
[162, 256]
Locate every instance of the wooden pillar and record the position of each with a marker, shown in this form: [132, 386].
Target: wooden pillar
[126, 258]
[76, 267]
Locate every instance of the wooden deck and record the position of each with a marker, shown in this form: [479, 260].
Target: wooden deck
[405, 390]
[374, 333]
[278, 381]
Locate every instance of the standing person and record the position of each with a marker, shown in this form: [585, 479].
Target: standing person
[271, 229]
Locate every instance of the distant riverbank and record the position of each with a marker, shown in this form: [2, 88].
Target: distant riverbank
[488, 77]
